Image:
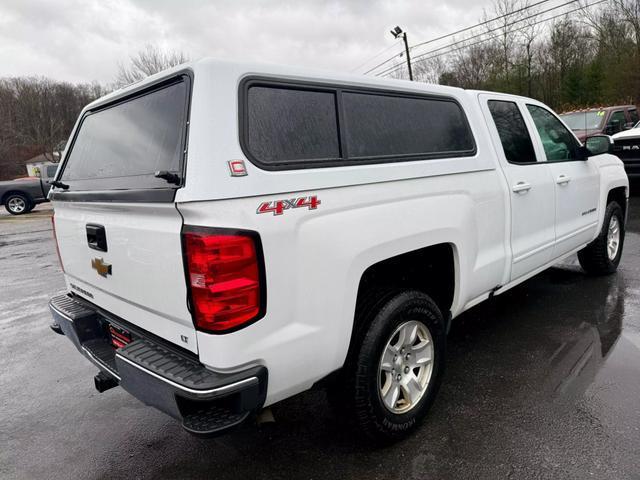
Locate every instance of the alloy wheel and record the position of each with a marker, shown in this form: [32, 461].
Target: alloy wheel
[17, 205]
[406, 366]
[613, 238]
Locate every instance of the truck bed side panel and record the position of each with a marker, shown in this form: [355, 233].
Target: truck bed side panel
[315, 259]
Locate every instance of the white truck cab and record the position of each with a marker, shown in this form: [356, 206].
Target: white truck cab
[233, 234]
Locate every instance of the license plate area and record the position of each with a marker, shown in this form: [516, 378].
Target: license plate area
[119, 336]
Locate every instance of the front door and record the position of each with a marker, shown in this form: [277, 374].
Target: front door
[530, 183]
[576, 182]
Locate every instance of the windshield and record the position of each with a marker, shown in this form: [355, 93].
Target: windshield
[584, 120]
[122, 146]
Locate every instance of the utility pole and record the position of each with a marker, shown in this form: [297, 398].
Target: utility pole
[397, 32]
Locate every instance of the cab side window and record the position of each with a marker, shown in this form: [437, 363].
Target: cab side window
[633, 116]
[51, 171]
[559, 144]
[513, 132]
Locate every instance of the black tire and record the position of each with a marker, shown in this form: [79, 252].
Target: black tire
[14, 200]
[359, 388]
[594, 258]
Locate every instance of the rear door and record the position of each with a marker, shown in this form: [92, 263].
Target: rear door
[576, 182]
[530, 185]
[117, 226]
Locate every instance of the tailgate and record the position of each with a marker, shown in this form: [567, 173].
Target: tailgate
[140, 277]
[117, 226]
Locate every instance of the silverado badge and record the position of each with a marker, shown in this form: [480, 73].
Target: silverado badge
[102, 268]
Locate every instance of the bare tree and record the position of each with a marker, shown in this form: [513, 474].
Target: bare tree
[529, 32]
[471, 67]
[508, 13]
[36, 115]
[629, 11]
[429, 70]
[587, 58]
[146, 62]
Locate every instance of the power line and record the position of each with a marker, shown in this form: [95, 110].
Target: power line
[459, 31]
[375, 56]
[504, 26]
[480, 24]
[398, 67]
[488, 31]
[383, 63]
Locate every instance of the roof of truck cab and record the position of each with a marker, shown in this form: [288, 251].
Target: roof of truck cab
[502, 94]
[291, 72]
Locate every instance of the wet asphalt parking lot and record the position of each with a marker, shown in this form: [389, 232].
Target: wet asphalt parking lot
[541, 382]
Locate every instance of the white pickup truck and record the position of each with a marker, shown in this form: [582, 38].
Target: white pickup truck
[234, 234]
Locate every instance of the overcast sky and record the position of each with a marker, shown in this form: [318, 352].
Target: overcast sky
[83, 40]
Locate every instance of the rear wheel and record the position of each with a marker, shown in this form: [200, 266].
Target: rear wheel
[602, 256]
[392, 378]
[17, 204]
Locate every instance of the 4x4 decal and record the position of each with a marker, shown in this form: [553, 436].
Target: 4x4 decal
[277, 207]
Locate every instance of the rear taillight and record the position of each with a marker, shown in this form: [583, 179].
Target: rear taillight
[224, 272]
[55, 240]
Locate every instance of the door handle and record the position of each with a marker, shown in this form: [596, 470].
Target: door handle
[96, 237]
[521, 187]
[563, 179]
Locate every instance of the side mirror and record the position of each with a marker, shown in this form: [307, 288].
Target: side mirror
[598, 144]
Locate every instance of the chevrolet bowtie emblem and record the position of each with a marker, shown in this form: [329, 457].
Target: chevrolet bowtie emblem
[102, 268]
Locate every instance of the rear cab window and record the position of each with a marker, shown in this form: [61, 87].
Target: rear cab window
[287, 125]
[122, 145]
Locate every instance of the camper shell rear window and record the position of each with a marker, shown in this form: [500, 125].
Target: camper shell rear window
[122, 145]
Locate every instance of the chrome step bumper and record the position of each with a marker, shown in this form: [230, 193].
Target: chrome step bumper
[162, 376]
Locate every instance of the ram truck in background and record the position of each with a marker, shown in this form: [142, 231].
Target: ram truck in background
[605, 120]
[627, 148]
[265, 230]
[21, 195]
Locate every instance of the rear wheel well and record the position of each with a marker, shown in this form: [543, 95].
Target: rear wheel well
[430, 270]
[619, 195]
[17, 192]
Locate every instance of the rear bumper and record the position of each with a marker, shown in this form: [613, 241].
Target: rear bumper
[173, 381]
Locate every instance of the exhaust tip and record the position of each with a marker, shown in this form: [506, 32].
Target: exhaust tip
[56, 328]
[265, 417]
[104, 382]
